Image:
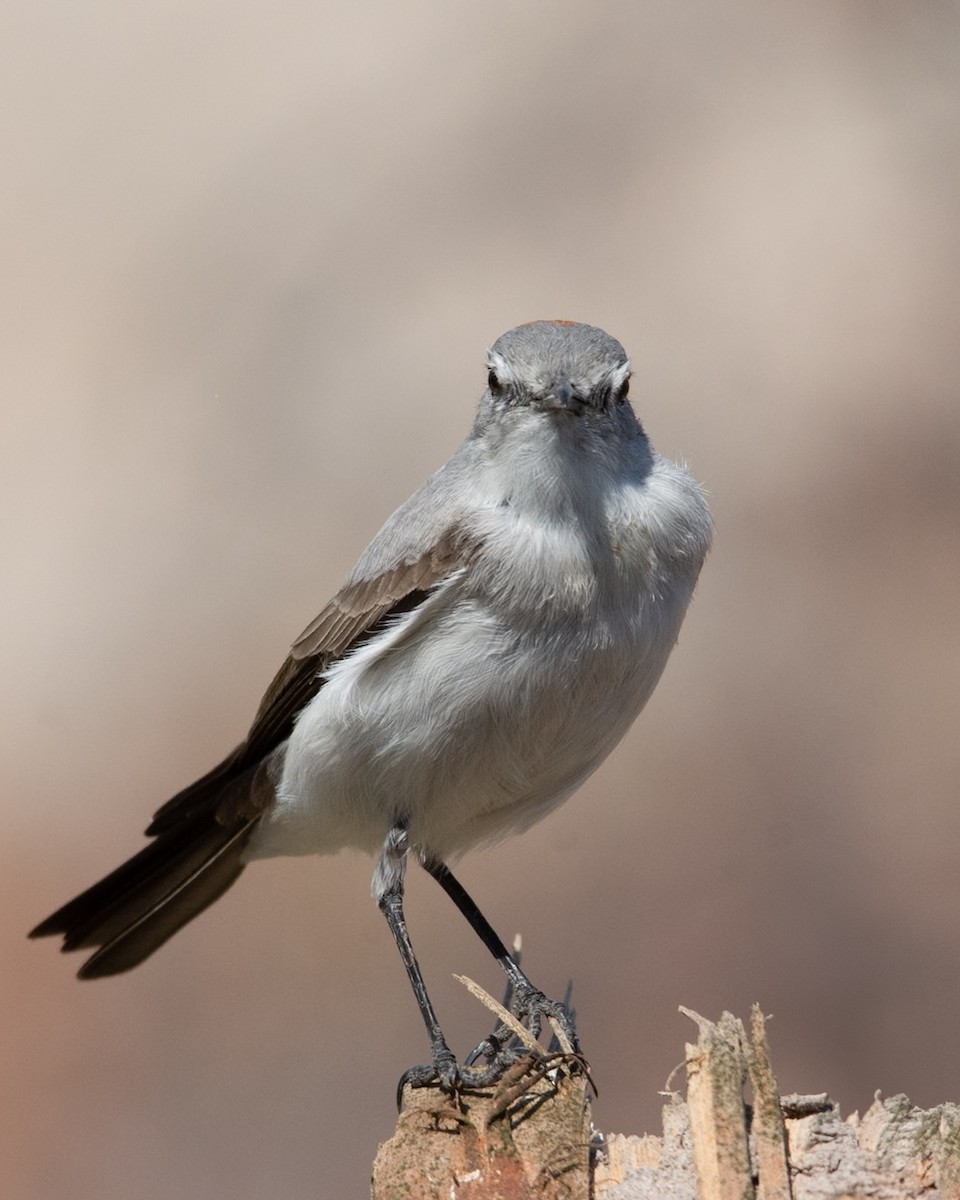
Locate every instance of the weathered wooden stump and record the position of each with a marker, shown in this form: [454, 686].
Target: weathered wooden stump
[531, 1136]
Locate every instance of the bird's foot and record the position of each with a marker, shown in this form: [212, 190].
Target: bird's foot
[502, 1048]
[444, 1072]
[508, 1071]
[530, 1004]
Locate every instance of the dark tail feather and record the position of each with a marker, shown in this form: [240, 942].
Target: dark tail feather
[141, 904]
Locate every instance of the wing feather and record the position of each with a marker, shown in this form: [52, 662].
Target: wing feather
[354, 615]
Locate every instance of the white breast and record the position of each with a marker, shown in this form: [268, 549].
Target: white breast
[477, 713]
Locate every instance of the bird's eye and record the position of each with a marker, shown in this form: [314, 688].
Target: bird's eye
[622, 391]
[493, 383]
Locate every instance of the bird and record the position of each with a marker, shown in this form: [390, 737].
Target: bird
[492, 645]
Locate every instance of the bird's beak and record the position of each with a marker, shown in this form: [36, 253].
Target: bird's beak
[562, 398]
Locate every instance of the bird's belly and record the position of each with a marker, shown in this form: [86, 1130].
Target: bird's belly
[467, 730]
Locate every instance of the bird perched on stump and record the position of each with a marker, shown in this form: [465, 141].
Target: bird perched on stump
[492, 645]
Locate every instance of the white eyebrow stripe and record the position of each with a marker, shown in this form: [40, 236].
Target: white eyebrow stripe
[619, 375]
[496, 362]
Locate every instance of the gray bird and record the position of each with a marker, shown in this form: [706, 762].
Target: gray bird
[492, 645]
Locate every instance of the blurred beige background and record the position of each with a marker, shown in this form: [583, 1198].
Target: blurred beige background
[253, 255]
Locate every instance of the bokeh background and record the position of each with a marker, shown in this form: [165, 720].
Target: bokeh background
[253, 255]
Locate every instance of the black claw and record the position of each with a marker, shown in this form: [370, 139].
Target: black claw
[445, 1072]
[416, 1077]
[490, 1047]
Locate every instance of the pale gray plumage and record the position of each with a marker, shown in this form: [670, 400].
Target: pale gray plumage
[492, 645]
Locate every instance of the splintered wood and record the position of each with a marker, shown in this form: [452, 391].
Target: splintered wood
[717, 1068]
[531, 1136]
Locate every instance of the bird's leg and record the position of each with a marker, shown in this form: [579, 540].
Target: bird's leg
[388, 891]
[527, 1001]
